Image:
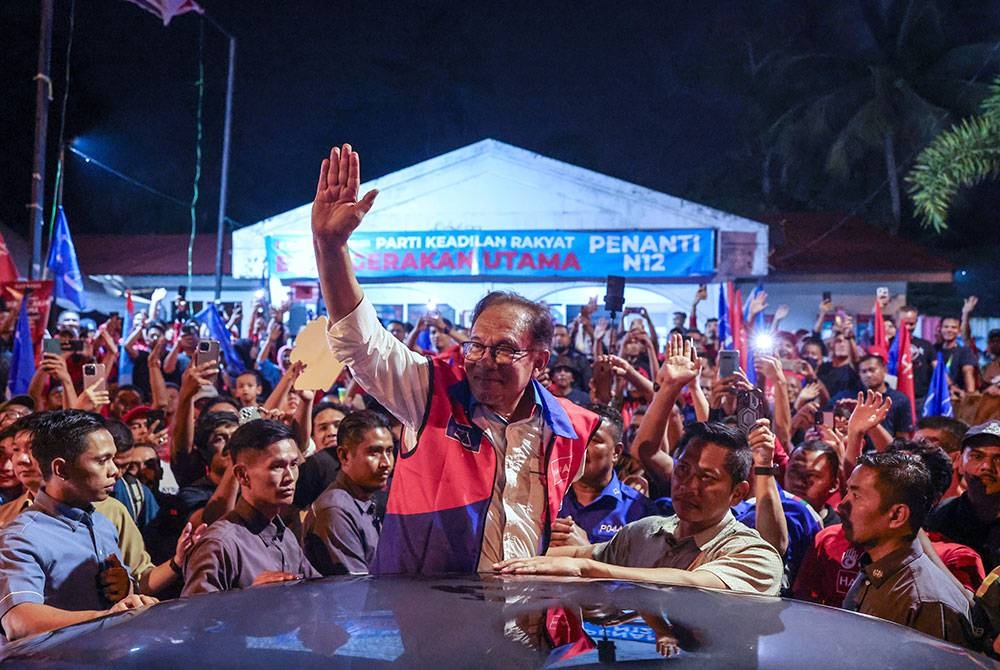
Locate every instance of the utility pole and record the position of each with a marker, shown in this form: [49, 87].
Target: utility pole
[43, 94]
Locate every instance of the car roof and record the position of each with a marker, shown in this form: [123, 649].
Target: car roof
[485, 622]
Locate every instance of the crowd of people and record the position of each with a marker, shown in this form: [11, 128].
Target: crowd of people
[515, 445]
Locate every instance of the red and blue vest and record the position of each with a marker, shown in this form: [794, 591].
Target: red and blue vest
[441, 489]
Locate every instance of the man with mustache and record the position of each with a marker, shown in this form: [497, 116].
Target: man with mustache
[973, 518]
[506, 448]
[341, 528]
[888, 497]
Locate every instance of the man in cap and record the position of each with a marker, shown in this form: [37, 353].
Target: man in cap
[973, 518]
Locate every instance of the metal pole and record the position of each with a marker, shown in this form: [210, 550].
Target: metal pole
[224, 180]
[43, 93]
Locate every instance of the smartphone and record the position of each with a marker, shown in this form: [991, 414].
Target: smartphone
[827, 296]
[208, 350]
[94, 373]
[749, 408]
[75, 346]
[729, 361]
[632, 310]
[156, 418]
[51, 345]
[790, 364]
[882, 292]
[828, 419]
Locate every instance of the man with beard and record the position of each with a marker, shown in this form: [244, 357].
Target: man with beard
[480, 422]
[888, 497]
[341, 528]
[973, 518]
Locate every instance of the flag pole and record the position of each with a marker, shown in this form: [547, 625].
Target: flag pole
[224, 177]
[43, 93]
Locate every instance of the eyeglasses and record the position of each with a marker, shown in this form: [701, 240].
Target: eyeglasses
[503, 354]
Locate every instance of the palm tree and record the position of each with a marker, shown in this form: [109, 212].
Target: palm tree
[960, 157]
[862, 112]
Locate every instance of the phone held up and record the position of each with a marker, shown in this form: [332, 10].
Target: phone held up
[94, 373]
[729, 362]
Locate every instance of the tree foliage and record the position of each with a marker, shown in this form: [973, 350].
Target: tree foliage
[966, 154]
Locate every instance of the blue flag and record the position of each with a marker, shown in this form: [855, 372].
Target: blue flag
[62, 263]
[938, 401]
[22, 361]
[723, 327]
[126, 367]
[892, 365]
[210, 317]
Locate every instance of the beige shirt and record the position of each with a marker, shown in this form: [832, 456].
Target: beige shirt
[399, 379]
[734, 553]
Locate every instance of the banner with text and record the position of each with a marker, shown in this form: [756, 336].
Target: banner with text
[39, 294]
[523, 254]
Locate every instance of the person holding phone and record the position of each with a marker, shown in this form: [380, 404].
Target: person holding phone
[479, 420]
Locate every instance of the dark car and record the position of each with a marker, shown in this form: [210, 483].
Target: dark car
[471, 622]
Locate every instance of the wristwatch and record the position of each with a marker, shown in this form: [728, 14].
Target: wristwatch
[766, 470]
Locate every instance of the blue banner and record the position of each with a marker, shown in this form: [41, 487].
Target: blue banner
[517, 254]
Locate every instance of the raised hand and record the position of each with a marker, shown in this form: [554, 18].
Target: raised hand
[781, 312]
[969, 304]
[336, 211]
[770, 367]
[682, 363]
[761, 441]
[758, 303]
[870, 411]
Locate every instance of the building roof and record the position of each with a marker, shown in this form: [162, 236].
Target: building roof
[149, 254]
[816, 245]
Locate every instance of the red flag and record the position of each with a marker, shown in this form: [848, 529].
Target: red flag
[168, 9]
[736, 323]
[904, 376]
[129, 306]
[8, 271]
[880, 345]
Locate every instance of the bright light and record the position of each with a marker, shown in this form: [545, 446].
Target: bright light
[763, 342]
[259, 294]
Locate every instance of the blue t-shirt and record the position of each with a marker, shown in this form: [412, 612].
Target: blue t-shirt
[803, 524]
[52, 554]
[616, 506]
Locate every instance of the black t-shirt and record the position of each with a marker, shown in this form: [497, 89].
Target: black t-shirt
[839, 380]
[957, 520]
[315, 474]
[922, 354]
[954, 360]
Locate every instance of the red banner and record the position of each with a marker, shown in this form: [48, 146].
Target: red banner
[39, 303]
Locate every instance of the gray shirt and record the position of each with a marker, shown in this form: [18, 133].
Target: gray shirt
[239, 547]
[340, 532]
[908, 588]
[734, 553]
[52, 553]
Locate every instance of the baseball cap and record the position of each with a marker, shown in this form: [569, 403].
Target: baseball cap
[984, 434]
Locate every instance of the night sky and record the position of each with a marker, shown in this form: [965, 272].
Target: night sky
[661, 94]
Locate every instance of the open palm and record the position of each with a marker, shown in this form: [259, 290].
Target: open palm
[336, 211]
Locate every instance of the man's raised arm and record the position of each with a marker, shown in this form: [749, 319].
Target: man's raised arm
[336, 213]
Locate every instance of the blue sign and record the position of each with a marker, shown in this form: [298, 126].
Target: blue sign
[515, 254]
